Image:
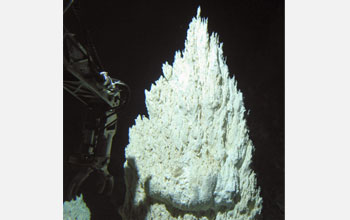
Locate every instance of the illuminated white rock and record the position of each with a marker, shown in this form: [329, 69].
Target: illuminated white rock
[193, 153]
[76, 209]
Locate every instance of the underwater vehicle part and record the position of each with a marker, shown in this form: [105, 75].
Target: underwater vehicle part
[103, 96]
[94, 153]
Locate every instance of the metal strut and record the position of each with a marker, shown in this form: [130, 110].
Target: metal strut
[103, 96]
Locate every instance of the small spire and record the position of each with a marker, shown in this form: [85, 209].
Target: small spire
[198, 11]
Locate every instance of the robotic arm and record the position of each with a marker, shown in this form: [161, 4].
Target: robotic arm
[94, 153]
[103, 96]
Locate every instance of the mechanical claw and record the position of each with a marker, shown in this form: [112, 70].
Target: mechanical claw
[98, 164]
[106, 183]
[77, 181]
[97, 144]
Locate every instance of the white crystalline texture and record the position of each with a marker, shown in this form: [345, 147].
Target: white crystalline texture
[76, 209]
[190, 159]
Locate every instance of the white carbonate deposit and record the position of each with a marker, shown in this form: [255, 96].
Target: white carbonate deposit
[190, 159]
[76, 209]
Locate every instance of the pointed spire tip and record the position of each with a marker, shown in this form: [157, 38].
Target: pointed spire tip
[198, 11]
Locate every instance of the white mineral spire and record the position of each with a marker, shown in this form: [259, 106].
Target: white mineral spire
[193, 153]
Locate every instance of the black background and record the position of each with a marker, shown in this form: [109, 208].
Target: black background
[134, 39]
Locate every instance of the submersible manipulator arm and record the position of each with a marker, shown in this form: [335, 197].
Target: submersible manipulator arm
[103, 96]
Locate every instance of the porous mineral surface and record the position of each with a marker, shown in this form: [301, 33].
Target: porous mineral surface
[76, 209]
[190, 159]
